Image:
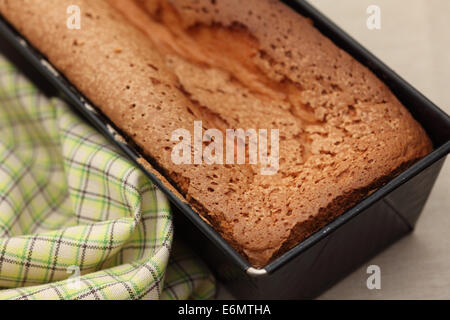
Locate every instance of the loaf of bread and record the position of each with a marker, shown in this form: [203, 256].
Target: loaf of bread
[156, 66]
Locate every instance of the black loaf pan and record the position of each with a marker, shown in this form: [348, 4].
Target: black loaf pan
[331, 253]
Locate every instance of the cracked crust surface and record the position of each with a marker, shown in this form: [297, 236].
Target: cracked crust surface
[156, 66]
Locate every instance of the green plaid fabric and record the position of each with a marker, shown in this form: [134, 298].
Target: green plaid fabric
[77, 219]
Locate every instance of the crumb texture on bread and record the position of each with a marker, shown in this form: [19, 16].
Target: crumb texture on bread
[154, 66]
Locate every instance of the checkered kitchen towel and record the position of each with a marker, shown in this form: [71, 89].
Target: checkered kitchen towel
[77, 219]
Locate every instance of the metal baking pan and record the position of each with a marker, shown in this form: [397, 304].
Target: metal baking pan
[326, 256]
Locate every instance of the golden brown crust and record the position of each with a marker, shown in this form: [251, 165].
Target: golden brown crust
[156, 66]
